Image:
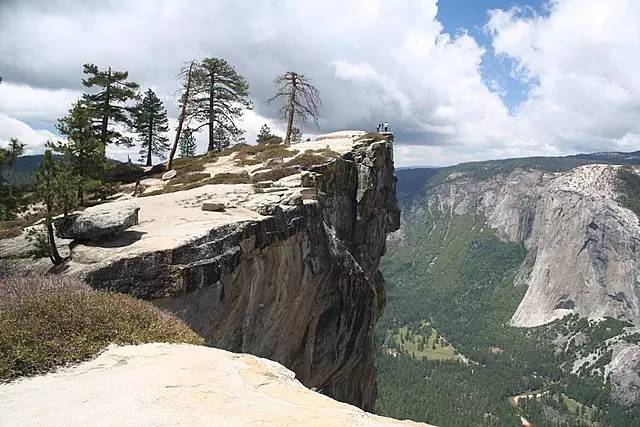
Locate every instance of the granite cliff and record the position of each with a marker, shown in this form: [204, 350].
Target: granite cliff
[280, 261]
[583, 246]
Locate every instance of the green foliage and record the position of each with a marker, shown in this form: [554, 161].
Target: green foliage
[82, 152]
[187, 144]
[629, 188]
[296, 134]
[51, 321]
[265, 135]
[39, 242]
[151, 124]
[10, 196]
[108, 105]
[219, 96]
[454, 273]
[307, 159]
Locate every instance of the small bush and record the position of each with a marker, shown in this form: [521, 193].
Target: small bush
[307, 159]
[230, 178]
[181, 180]
[274, 174]
[271, 153]
[51, 321]
[372, 137]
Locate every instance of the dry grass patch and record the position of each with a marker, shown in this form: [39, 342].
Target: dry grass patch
[307, 159]
[52, 321]
[372, 137]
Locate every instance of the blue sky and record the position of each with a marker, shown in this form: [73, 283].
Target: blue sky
[472, 16]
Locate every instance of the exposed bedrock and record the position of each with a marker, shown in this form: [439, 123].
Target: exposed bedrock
[583, 247]
[300, 287]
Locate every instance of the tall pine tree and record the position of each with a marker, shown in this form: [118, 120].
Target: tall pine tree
[220, 138]
[151, 124]
[220, 95]
[83, 152]
[187, 144]
[109, 104]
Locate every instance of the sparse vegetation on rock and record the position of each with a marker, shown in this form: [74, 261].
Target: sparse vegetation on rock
[50, 321]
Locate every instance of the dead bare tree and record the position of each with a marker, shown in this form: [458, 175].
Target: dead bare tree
[300, 100]
[185, 75]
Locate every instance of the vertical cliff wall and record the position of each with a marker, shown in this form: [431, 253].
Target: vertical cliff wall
[298, 284]
[583, 252]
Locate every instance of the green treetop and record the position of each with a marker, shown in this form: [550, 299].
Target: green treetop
[219, 97]
[109, 104]
[151, 124]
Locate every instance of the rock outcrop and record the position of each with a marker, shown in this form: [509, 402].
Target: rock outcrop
[624, 374]
[583, 247]
[167, 385]
[288, 272]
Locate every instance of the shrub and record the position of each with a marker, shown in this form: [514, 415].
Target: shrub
[52, 321]
[271, 152]
[371, 137]
[229, 178]
[307, 159]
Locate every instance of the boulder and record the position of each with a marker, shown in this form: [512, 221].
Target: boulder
[92, 225]
[263, 184]
[169, 175]
[293, 200]
[213, 207]
[309, 179]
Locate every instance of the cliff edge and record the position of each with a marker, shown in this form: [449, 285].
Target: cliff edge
[261, 250]
[169, 384]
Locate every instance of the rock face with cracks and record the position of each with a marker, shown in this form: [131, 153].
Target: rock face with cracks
[583, 246]
[290, 274]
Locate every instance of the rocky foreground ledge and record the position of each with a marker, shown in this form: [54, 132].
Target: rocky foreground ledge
[169, 384]
[275, 256]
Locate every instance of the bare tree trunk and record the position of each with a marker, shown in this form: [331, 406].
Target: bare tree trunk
[183, 113]
[150, 141]
[211, 111]
[292, 108]
[55, 257]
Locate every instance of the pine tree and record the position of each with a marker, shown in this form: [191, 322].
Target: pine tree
[82, 151]
[264, 134]
[10, 197]
[56, 188]
[300, 100]
[296, 135]
[187, 145]
[220, 138]
[150, 123]
[109, 104]
[220, 95]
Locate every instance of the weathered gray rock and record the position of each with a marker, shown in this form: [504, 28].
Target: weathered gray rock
[308, 179]
[624, 374]
[583, 251]
[293, 200]
[169, 175]
[169, 384]
[93, 225]
[213, 207]
[263, 184]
